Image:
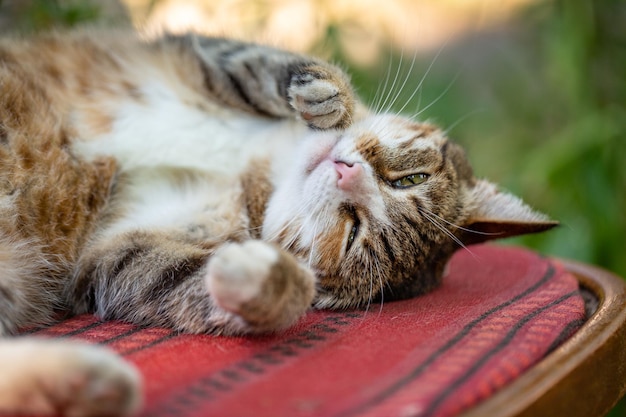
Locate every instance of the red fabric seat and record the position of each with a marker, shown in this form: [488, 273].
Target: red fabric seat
[499, 311]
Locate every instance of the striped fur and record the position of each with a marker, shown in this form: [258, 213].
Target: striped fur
[210, 185]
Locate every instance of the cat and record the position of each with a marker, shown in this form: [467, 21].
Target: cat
[207, 185]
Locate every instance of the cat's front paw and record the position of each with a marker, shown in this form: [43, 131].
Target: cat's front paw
[263, 285]
[59, 378]
[323, 97]
[238, 272]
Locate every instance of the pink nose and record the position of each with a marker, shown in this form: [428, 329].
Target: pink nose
[348, 174]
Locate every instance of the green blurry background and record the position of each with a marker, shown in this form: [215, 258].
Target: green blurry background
[537, 97]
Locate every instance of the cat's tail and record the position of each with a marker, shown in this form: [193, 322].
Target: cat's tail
[29, 292]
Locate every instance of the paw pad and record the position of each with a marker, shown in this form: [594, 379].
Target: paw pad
[323, 103]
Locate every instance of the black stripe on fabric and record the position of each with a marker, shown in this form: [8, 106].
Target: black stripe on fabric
[419, 369]
[210, 387]
[121, 335]
[565, 334]
[150, 345]
[500, 346]
[81, 330]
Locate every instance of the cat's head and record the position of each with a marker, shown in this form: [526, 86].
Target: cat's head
[378, 210]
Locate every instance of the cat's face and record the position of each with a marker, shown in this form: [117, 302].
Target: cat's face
[377, 210]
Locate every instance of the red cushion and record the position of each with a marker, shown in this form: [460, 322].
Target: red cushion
[498, 312]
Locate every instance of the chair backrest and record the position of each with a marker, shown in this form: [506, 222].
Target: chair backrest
[586, 375]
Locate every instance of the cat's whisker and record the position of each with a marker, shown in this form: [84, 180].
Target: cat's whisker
[432, 218]
[380, 92]
[392, 89]
[439, 97]
[401, 89]
[451, 235]
[461, 120]
[423, 79]
[465, 229]
[378, 97]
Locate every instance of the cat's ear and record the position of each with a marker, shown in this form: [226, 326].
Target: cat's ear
[495, 214]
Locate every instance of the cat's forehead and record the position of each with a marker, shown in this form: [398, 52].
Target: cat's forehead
[393, 144]
[398, 132]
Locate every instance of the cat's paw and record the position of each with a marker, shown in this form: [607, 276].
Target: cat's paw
[47, 377]
[237, 273]
[258, 282]
[322, 96]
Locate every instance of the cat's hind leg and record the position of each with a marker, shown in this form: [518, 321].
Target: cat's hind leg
[29, 291]
[49, 377]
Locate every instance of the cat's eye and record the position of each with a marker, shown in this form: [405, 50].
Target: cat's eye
[353, 233]
[410, 180]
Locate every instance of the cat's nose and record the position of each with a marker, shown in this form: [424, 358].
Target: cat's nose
[348, 174]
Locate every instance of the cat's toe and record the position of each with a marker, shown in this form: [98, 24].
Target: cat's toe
[323, 98]
[237, 273]
[102, 386]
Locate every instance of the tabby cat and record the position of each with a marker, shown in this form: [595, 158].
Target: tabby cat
[209, 186]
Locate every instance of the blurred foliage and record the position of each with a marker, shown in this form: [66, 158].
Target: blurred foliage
[581, 156]
[33, 15]
[540, 105]
[24, 16]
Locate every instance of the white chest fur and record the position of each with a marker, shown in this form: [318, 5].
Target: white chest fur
[163, 130]
[181, 161]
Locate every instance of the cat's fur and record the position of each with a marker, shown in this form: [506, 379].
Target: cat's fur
[207, 185]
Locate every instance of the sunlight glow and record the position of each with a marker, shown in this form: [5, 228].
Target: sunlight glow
[364, 28]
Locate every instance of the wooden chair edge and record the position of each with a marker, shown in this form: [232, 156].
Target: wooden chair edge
[583, 377]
